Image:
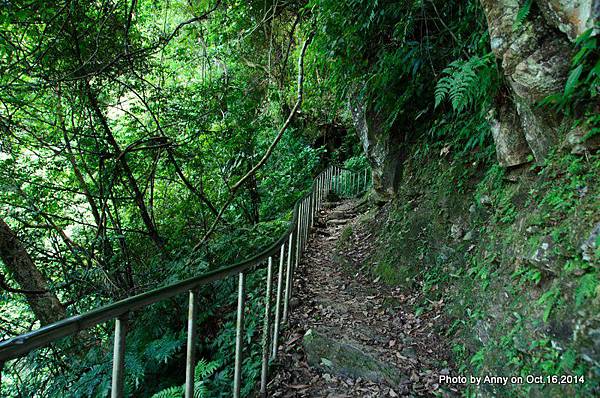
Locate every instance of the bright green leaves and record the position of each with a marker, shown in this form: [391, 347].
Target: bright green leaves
[522, 14]
[466, 83]
[573, 80]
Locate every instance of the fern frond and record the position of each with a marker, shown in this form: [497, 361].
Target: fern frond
[171, 392]
[522, 14]
[204, 369]
[464, 82]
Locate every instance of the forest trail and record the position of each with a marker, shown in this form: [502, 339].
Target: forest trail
[363, 340]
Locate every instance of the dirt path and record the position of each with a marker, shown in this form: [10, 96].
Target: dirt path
[345, 304]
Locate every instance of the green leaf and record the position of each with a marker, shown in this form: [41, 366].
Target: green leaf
[573, 80]
[522, 14]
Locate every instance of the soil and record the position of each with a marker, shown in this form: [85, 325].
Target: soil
[335, 293]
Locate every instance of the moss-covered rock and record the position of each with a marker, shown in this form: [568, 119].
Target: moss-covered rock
[347, 359]
[523, 293]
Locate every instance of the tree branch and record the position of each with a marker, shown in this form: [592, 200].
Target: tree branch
[269, 151]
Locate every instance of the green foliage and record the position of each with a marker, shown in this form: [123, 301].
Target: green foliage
[202, 371]
[581, 92]
[466, 82]
[522, 14]
[588, 285]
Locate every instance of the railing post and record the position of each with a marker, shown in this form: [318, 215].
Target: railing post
[278, 297]
[318, 198]
[315, 199]
[239, 338]
[190, 361]
[264, 374]
[289, 272]
[307, 223]
[301, 227]
[118, 370]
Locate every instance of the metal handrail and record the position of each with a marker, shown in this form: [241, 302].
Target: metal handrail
[343, 181]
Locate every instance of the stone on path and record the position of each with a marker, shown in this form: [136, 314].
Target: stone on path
[347, 359]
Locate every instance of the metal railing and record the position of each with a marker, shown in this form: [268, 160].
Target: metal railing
[290, 246]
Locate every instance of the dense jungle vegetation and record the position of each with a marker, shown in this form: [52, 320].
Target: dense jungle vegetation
[143, 142]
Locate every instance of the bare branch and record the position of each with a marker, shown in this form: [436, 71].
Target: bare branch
[269, 151]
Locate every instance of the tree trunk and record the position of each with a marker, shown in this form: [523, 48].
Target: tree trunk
[133, 185]
[44, 304]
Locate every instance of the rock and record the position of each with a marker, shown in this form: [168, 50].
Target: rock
[590, 246]
[485, 200]
[346, 359]
[570, 17]
[456, 231]
[535, 58]
[579, 143]
[384, 149]
[544, 257]
[409, 352]
[540, 129]
[468, 236]
[511, 146]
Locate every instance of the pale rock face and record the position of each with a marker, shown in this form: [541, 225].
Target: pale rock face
[511, 147]
[536, 60]
[382, 149]
[572, 17]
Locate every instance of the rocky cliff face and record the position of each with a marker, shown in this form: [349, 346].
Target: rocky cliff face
[535, 56]
[383, 149]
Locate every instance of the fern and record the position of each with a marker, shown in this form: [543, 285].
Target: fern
[171, 392]
[586, 289]
[202, 371]
[522, 14]
[465, 82]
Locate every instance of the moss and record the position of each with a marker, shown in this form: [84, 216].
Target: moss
[507, 315]
[346, 235]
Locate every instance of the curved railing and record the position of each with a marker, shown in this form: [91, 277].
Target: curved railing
[290, 246]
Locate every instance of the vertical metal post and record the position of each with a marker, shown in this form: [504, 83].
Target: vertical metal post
[301, 226]
[305, 209]
[307, 222]
[190, 361]
[264, 374]
[349, 183]
[334, 182]
[239, 338]
[313, 205]
[118, 370]
[302, 223]
[278, 297]
[365, 180]
[320, 196]
[319, 193]
[289, 272]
